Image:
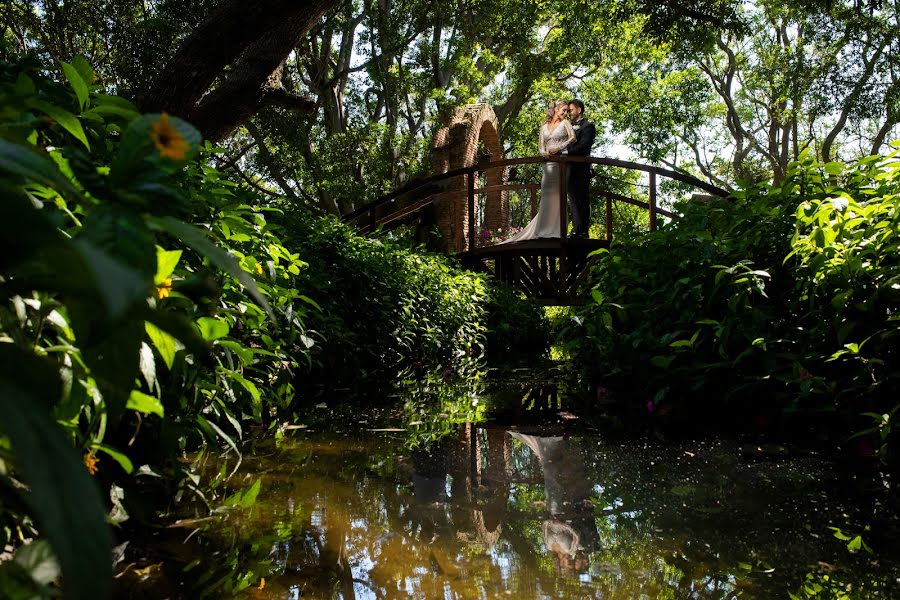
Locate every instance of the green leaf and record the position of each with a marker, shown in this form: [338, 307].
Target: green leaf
[164, 343]
[244, 498]
[65, 502]
[243, 353]
[166, 261]
[662, 362]
[198, 240]
[834, 168]
[34, 166]
[38, 560]
[249, 496]
[84, 69]
[24, 85]
[839, 534]
[123, 235]
[118, 111]
[179, 327]
[251, 389]
[77, 82]
[211, 426]
[118, 287]
[117, 456]
[115, 363]
[144, 403]
[212, 329]
[597, 296]
[107, 100]
[68, 121]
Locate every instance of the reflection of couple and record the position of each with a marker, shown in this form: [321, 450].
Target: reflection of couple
[570, 533]
[560, 136]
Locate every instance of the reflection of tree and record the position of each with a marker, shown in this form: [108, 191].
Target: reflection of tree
[475, 513]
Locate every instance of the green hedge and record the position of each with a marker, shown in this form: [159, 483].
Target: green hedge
[779, 299]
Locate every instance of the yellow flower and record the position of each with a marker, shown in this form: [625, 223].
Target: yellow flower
[90, 461]
[262, 583]
[164, 289]
[259, 268]
[167, 140]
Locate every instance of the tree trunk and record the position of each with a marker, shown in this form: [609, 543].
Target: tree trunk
[259, 34]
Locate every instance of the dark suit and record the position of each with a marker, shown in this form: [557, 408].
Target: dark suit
[579, 180]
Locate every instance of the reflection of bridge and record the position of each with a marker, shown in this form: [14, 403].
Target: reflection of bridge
[549, 270]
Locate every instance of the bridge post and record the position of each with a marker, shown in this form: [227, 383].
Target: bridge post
[470, 191]
[652, 200]
[609, 217]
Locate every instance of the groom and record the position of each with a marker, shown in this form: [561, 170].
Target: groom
[580, 173]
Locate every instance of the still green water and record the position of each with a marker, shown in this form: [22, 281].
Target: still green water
[507, 508]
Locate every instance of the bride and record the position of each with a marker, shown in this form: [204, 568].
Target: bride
[556, 135]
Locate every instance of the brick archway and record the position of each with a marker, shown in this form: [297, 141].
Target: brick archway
[456, 146]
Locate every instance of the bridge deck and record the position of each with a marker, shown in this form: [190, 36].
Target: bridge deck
[550, 270]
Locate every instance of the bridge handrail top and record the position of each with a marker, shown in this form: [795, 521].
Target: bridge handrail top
[525, 160]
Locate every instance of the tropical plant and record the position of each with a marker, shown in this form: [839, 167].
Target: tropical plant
[778, 299]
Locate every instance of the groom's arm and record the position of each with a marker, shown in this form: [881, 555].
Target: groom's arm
[582, 146]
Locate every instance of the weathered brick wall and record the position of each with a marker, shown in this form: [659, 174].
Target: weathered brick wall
[456, 146]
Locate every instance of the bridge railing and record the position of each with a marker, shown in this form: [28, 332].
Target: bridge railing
[419, 194]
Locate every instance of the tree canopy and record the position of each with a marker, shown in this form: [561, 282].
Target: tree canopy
[333, 103]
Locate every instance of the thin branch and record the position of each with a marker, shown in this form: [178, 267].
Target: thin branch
[268, 159]
[230, 161]
[255, 185]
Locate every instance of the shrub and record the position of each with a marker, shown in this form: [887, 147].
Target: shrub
[777, 299]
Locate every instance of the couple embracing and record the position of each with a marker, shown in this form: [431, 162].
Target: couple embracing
[561, 136]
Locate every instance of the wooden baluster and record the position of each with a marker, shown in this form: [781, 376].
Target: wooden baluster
[470, 185]
[534, 203]
[609, 217]
[652, 200]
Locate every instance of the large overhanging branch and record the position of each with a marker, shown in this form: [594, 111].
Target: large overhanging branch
[253, 38]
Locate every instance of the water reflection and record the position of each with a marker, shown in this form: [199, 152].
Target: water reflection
[570, 532]
[529, 512]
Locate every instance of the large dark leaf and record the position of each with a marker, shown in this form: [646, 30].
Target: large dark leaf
[64, 499]
[179, 327]
[115, 361]
[123, 235]
[24, 230]
[33, 166]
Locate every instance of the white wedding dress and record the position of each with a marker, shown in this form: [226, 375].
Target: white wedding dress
[546, 222]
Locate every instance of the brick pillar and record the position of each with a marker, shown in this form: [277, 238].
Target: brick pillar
[456, 146]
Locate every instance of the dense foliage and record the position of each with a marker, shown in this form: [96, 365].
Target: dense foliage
[150, 306]
[779, 299]
[660, 81]
[384, 307]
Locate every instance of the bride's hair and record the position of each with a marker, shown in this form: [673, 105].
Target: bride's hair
[553, 106]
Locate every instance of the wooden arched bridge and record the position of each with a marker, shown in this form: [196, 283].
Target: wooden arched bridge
[469, 201]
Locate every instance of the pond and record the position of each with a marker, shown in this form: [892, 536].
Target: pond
[535, 501]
